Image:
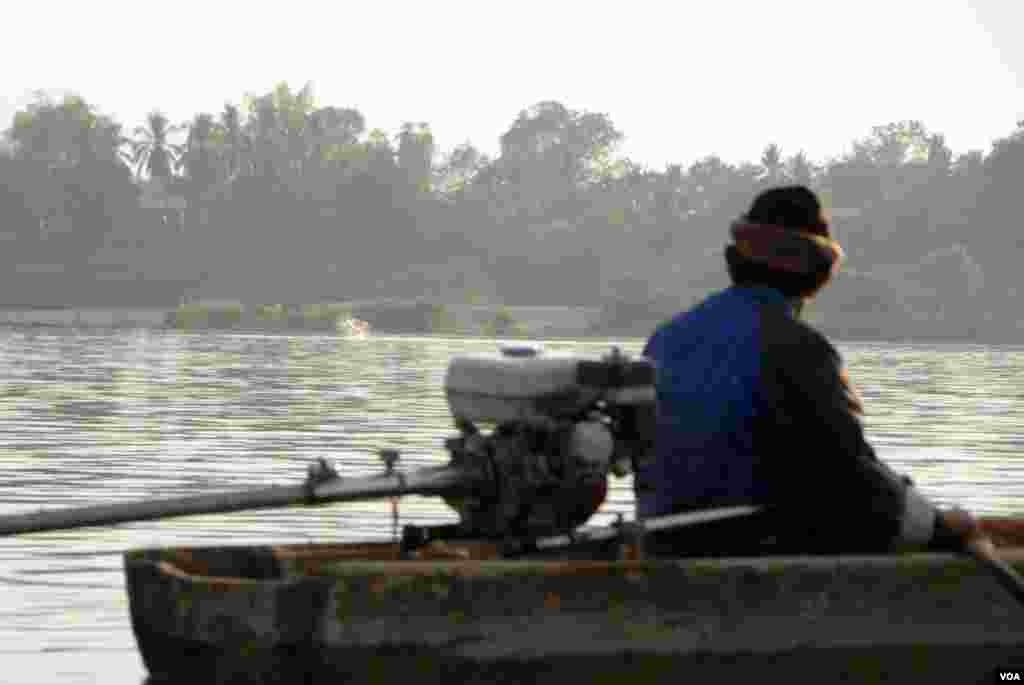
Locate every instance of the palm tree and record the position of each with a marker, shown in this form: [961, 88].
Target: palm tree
[152, 152]
[236, 142]
[201, 154]
[668, 191]
[416, 153]
[800, 169]
[269, 146]
[107, 142]
[459, 169]
[295, 109]
[940, 157]
[333, 126]
[771, 160]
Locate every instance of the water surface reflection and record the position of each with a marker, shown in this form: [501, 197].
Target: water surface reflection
[95, 417]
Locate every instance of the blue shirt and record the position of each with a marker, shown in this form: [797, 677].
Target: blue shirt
[709, 378]
[754, 407]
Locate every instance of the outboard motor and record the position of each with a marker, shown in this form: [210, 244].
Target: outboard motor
[558, 424]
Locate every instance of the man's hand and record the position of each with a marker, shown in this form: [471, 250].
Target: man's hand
[981, 547]
[966, 526]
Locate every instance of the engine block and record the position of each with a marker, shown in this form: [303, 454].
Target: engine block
[560, 425]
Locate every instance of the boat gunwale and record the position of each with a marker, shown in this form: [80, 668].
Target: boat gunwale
[295, 562]
[342, 567]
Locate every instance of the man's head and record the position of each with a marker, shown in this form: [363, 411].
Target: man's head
[783, 241]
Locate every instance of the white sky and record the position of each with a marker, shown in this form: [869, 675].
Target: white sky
[681, 79]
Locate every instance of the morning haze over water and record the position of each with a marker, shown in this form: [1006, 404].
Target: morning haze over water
[280, 199]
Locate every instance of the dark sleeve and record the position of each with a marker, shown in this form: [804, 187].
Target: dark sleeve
[818, 460]
[651, 346]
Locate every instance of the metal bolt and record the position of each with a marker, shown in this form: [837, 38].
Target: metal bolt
[390, 458]
[320, 471]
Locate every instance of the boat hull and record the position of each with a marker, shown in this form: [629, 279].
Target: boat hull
[356, 613]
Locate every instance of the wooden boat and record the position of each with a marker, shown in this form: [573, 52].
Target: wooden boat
[367, 613]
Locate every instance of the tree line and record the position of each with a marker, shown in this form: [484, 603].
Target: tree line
[286, 200]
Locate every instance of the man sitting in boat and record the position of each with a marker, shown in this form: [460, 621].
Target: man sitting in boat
[754, 407]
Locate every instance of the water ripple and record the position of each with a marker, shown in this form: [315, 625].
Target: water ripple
[99, 417]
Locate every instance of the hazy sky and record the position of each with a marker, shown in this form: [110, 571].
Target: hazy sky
[682, 80]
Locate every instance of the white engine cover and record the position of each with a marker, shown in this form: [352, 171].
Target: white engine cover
[499, 388]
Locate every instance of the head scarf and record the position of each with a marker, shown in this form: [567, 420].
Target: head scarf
[793, 251]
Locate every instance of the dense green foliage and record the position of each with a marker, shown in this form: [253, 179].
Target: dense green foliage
[285, 200]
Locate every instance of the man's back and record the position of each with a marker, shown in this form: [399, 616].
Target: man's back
[709, 376]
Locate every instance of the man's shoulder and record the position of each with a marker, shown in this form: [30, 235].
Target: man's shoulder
[795, 339]
[680, 324]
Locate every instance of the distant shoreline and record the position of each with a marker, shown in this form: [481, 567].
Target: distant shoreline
[161, 319]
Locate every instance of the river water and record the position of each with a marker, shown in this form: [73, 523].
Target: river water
[104, 416]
